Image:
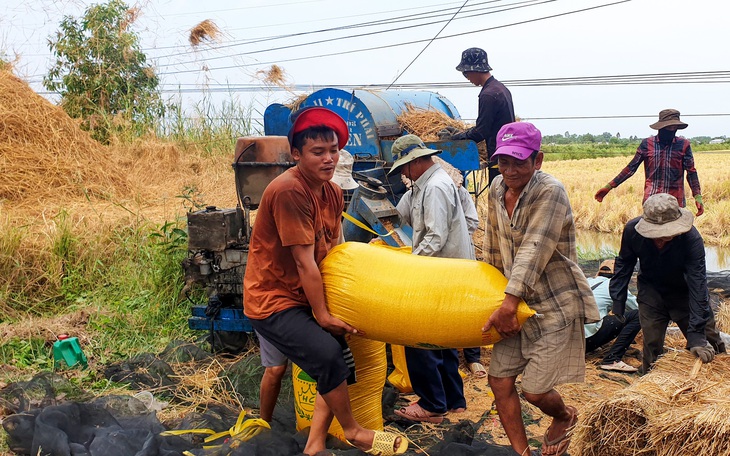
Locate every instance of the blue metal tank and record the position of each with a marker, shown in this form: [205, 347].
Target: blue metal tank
[371, 115]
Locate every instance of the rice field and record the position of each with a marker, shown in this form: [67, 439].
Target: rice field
[582, 178]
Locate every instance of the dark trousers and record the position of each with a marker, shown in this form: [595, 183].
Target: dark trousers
[435, 378]
[655, 313]
[611, 328]
[472, 355]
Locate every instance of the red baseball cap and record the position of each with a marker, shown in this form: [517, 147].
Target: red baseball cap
[315, 116]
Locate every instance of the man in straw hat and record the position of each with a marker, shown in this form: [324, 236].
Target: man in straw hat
[672, 279]
[531, 238]
[298, 222]
[433, 208]
[623, 329]
[666, 158]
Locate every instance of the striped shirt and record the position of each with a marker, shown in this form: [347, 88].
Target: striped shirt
[664, 167]
[535, 249]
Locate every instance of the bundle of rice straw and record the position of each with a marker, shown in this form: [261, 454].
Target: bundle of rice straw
[426, 123]
[274, 76]
[206, 30]
[680, 408]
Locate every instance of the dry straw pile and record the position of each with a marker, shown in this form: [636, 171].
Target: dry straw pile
[44, 153]
[681, 408]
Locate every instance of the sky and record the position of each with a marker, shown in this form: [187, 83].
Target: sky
[676, 46]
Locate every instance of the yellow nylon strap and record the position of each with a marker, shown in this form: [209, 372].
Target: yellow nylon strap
[358, 223]
[243, 430]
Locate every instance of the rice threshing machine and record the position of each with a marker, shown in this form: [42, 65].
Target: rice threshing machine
[219, 238]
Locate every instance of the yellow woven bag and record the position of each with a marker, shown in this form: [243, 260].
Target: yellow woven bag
[365, 395]
[405, 299]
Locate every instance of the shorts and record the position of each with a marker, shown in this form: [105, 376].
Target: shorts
[298, 336]
[555, 358]
[270, 355]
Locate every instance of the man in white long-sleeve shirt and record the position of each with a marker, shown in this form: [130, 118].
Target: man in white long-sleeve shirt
[472, 356]
[433, 208]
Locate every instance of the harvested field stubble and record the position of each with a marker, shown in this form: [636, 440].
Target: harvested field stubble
[582, 178]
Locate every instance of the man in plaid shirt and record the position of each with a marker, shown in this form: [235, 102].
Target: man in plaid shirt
[530, 237]
[666, 158]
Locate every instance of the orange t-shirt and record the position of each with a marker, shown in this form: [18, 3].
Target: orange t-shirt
[289, 214]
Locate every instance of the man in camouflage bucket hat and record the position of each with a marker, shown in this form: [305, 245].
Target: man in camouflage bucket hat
[495, 105]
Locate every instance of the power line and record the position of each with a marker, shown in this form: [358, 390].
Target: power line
[426, 46]
[388, 46]
[359, 35]
[390, 19]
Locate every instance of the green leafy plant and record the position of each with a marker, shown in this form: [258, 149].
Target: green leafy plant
[191, 198]
[31, 353]
[101, 73]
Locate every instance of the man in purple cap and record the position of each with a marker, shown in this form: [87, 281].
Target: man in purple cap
[666, 157]
[297, 223]
[531, 239]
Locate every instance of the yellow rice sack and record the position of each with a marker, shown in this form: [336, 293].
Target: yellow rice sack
[405, 299]
[365, 395]
[399, 377]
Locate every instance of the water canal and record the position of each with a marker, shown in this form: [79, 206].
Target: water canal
[606, 245]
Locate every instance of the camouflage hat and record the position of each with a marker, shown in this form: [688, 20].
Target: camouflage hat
[474, 59]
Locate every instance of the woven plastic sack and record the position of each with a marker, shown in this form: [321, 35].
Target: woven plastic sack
[399, 377]
[406, 299]
[365, 395]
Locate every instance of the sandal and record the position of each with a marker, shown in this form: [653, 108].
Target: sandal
[384, 444]
[477, 370]
[415, 412]
[562, 441]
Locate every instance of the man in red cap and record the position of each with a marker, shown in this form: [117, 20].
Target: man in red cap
[666, 158]
[297, 223]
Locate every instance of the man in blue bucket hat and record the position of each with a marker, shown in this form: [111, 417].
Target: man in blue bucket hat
[495, 106]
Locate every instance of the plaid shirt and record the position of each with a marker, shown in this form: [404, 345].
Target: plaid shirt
[664, 167]
[535, 249]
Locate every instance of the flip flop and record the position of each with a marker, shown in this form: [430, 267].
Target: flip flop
[477, 370]
[415, 412]
[563, 440]
[384, 444]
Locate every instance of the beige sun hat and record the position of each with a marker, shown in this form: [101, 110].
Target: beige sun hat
[408, 148]
[663, 217]
[343, 171]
